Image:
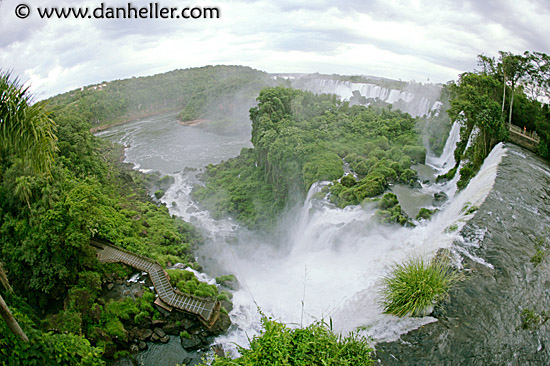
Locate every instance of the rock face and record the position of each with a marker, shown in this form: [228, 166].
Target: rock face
[146, 335]
[221, 325]
[172, 329]
[192, 343]
[159, 332]
[193, 334]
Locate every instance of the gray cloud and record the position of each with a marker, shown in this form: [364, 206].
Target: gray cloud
[393, 38]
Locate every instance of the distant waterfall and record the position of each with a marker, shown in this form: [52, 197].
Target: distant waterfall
[419, 101]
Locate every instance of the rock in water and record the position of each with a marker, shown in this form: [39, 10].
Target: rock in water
[439, 198]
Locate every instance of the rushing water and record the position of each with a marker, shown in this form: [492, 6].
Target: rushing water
[415, 99]
[326, 262]
[482, 323]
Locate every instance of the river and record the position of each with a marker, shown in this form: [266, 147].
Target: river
[326, 262]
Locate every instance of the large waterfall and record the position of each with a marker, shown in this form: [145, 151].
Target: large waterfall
[483, 323]
[325, 262]
[416, 99]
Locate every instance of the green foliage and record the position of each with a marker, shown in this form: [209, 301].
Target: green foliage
[348, 181]
[541, 251]
[314, 345]
[413, 287]
[389, 200]
[530, 319]
[46, 223]
[489, 101]
[186, 282]
[469, 209]
[229, 281]
[300, 138]
[451, 228]
[389, 211]
[46, 348]
[211, 92]
[447, 176]
[65, 322]
[116, 313]
[185, 334]
[238, 188]
[25, 128]
[425, 214]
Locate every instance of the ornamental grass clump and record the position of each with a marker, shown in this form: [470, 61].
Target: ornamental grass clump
[415, 286]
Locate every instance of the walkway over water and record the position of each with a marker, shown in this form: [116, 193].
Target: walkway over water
[207, 309]
[529, 140]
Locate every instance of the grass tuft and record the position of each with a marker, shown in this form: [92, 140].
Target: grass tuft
[415, 286]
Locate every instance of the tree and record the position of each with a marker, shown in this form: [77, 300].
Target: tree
[5, 312]
[514, 68]
[537, 71]
[25, 129]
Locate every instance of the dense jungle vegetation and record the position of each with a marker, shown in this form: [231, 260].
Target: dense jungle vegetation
[212, 92]
[315, 344]
[504, 92]
[300, 138]
[59, 187]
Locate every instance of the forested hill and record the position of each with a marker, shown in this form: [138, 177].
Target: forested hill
[209, 92]
[300, 138]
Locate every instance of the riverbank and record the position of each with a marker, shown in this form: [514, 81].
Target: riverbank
[134, 117]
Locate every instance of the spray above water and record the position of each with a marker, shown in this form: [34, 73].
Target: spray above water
[329, 262]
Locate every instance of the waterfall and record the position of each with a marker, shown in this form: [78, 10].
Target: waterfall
[417, 103]
[331, 260]
[446, 160]
[335, 260]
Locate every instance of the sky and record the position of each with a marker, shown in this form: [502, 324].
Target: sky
[417, 40]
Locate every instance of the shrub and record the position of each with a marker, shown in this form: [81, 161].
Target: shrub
[314, 345]
[407, 175]
[466, 173]
[388, 200]
[348, 181]
[413, 287]
[416, 153]
[451, 228]
[425, 214]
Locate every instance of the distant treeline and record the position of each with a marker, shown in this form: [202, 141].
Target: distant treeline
[205, 92]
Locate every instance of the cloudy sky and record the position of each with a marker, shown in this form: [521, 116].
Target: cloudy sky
[408, 40]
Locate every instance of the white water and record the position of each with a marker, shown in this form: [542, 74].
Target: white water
[446, 160]
[413, 103]
[332, 262]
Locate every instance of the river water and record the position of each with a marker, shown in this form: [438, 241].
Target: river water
[482, 324]
[326, 262]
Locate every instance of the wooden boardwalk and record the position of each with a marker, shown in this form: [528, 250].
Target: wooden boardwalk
[207, 309]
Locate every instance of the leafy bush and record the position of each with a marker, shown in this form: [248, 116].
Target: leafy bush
[390, 211]
[425, 214]
[413, 287]
[314, 345]
[300, 138]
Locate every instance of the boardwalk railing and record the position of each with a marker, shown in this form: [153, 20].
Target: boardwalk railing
[529, 140]
[207, 309]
